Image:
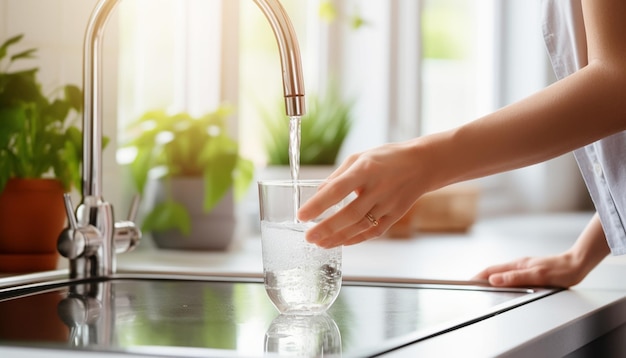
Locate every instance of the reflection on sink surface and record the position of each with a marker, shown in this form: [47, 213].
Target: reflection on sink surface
[217, 316]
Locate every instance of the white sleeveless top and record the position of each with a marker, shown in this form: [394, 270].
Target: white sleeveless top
[603, 163]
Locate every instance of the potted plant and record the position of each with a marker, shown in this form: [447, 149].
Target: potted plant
[324, 129]
[40, 153]
[189, 170]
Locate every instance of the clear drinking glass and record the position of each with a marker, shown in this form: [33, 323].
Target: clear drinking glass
[303, 336]
[300, 278]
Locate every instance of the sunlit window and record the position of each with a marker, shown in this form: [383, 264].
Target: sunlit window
[411, 67]
[448, 76]
[457, 68]
[171, 59]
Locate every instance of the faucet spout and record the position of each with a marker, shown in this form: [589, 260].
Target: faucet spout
[293, 80]
[90, 241]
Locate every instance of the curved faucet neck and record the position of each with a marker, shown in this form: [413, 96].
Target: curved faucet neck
[289, 50]
[293, 81]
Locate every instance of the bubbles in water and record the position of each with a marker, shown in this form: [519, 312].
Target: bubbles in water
[299, 276]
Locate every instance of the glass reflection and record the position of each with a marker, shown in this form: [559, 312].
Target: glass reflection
[303, 336]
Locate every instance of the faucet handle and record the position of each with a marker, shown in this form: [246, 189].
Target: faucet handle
[126, 235]
[75, 241]
[134, 208]
[71, 242]
[69, 211]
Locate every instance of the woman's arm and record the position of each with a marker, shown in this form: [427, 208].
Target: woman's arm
[578, 110]
[563, 270]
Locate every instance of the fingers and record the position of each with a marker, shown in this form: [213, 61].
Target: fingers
[348, 224]
[553, 271]
[338, 186]
[384, 188]
[337, 172]
[495, 269]
[524, 277]
[327, 196]
[361, 219]
[361, 231]
[515, 273]
[344, 166]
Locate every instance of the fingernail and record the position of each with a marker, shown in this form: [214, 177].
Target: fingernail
[312, 237]
[302, 215]
[496, 280]
[325, 245]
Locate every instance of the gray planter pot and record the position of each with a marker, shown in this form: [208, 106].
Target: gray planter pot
[209, 231]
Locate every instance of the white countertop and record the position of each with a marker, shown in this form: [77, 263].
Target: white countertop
[551, 326]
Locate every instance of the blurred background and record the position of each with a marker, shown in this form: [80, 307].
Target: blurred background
[404, 68]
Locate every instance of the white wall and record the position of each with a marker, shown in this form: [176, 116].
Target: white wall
[56, 28]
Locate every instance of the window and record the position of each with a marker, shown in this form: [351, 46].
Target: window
[171, 59]
[414, 67]
[170, 56]
[458, 61]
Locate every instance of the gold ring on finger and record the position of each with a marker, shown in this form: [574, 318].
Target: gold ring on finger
[370, 217]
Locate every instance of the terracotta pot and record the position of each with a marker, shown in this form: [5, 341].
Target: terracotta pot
[32, 216]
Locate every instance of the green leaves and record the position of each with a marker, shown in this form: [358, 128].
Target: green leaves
[324, 129]
[168, 215]
[219, 156]
[74, 97]
[5, 46]
[181, 145]
[37, 138]
[243, 175]
[328, 12]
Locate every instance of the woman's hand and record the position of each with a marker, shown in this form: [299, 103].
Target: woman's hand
[563, 270]
[386, 181]
[552, 271]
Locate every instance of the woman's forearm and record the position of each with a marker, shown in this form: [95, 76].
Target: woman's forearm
[554, 121]
[575, 111]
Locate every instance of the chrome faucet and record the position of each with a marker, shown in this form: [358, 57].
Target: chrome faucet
[93, 238]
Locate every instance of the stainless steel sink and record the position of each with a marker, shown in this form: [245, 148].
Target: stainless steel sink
[184, 315]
